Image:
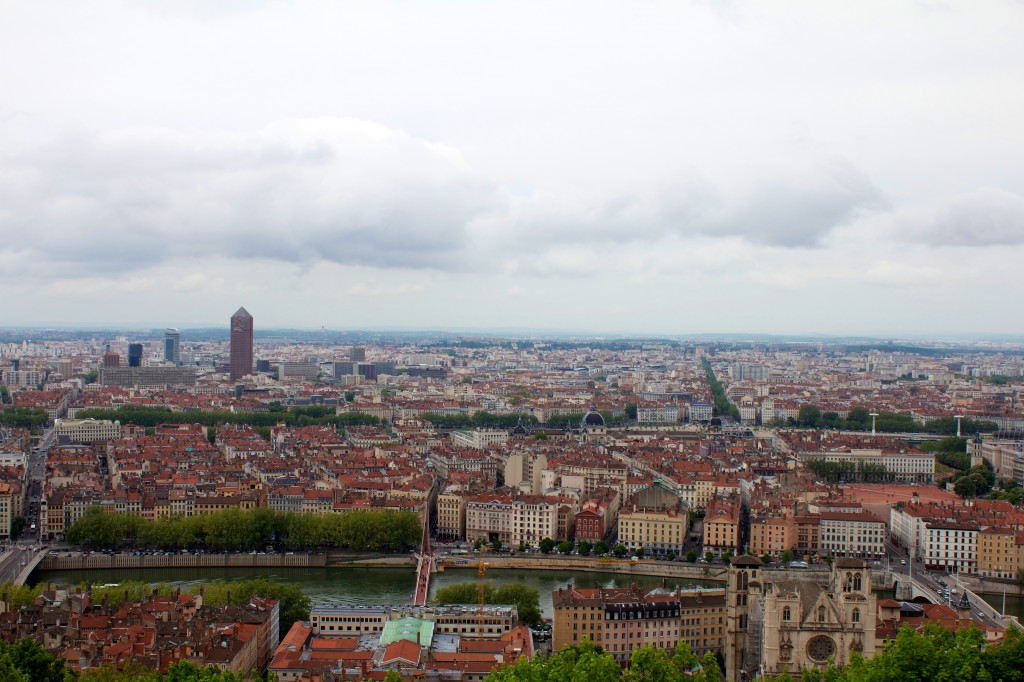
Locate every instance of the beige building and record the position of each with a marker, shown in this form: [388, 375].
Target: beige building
[525, 519]
[656, 519]
[7, 494]
[772, 532]
[903, 467]
[87, 430]
[722, 525]
[1000, 552]
[777, 623]
[856, 534]
[622, 619]
[479, 439]
[524, 469]
[451, 514]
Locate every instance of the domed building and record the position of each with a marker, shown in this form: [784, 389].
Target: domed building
[592, 427]
[591, 419]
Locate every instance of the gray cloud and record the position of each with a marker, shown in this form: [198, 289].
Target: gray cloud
[339, 190]
[791, 205]
[987, 217]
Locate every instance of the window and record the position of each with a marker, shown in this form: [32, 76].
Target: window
[821, 614]
[856, 615]
[786, 614]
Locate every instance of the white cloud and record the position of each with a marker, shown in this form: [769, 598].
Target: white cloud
[699, 168]
[339, 190]
[986, 217]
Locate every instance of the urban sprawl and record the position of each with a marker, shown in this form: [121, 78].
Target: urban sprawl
[829, 494]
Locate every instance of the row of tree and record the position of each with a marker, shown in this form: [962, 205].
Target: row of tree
[934, 653]
[586, 662]
[24, 417]
[525, 599]
[859, 419]
[479, 419]
[234, 529]
[294, 416]
[835, 472]
[723, 407]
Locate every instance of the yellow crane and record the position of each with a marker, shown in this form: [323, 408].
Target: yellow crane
[481, 590]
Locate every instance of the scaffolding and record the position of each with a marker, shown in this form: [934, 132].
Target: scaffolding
[755, 634]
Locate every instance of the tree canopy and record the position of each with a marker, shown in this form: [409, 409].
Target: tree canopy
[525, 599]
[234, 529]
[293, 416]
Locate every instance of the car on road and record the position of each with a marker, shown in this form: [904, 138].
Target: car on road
[903, 562]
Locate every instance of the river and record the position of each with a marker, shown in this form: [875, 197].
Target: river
[363, 585]
[392, 585]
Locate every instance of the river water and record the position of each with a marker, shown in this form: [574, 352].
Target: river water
[364, 585]
[392, 585]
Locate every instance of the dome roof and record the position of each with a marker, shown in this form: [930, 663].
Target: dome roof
[592, 418]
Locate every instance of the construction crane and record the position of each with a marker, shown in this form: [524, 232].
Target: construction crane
[481, 590]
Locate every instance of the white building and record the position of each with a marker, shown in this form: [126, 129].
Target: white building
[87, 430]
[852, 534]
[479, 438]
[903, 467]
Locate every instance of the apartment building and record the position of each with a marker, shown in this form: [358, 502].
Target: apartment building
[479, 439]
[902, 467]
[722, 525]
[1000, 552]
[852, 534]
[524, 519]
[451, 514]
[656, 518]
[771, 533]
[620, 620]
[87, 430]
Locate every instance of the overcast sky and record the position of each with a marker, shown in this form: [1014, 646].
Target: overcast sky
[645, 167]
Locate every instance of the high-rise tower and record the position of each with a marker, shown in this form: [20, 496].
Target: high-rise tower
[241, 344]
[172, 346]
[135, 355]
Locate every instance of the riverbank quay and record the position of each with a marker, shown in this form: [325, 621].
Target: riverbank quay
[558, 562]
[78, 561]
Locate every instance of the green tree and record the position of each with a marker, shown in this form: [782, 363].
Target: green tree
[709, 670]
[683, 659]
[525, 599]
[640, 552]
[496, 545]
[565, 547]
[393, 676]
[631, 411]
[620, 551]
[787, 556]
[32, 662]
[546, 545]
[809, 415]
[583, 547]
[600, 548]
[651, 664]
[858, 418]
[691, 556]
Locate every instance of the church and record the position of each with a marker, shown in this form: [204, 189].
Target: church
[786, 620]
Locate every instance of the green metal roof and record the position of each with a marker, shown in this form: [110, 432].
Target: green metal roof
[408, 628]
